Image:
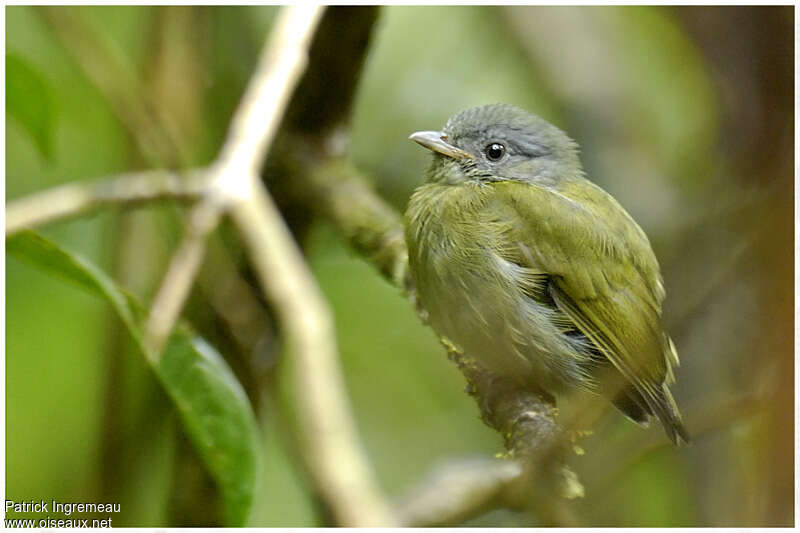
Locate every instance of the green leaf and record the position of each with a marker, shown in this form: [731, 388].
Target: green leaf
[217, 416]
[33, 248]
[30, 100]
[212, 404]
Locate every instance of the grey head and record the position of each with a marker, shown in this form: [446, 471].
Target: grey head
[500, 142]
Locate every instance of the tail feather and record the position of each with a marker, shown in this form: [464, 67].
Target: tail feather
[639, 405]
[632, 405]
[665, 408]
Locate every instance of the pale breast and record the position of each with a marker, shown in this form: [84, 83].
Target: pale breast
[478, 300]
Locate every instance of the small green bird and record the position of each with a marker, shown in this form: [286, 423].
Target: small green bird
[535, 271]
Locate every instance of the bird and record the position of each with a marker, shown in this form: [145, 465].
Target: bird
[536, 272]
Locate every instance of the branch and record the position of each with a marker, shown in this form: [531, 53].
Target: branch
[340, 194]
[461, 490]
[78, 198]
[232, 185]
[183, 267]
[330, 439]
[457, 491]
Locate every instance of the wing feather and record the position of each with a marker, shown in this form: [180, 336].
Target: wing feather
[606, 281]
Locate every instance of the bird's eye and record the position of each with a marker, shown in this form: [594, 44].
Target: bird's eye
[495, 151]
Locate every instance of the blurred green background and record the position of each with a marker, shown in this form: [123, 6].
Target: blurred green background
[684, 114]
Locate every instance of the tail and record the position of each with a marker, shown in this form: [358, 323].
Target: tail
[664, 407]
[639, 407]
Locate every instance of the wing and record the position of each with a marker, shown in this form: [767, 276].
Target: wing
[605, 278]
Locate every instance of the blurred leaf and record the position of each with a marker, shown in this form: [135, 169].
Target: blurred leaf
[211, 402]
[30, 99]
[33, 248]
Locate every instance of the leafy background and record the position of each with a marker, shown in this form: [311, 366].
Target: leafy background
[683, 114]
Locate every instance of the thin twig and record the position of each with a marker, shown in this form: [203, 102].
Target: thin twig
[180, 276]
[457, 491]
[76, 198]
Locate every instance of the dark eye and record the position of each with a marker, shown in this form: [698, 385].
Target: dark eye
[495, 151]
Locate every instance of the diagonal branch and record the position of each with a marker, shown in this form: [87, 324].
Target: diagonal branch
[183, 268]
[330, 438]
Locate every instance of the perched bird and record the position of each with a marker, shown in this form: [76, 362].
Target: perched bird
[533, 270]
